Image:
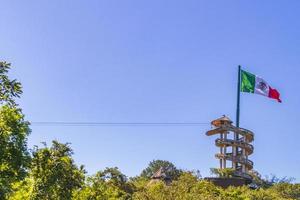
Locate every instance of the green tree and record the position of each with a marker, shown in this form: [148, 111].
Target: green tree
[181, 188]
[109, 184]
[186, 187]
[54, 174]
[157, 191]
[286, 190]
[22, 189]
[268, 181]
[9, 89]
[14, 155]
[169, 168]
[224, 173]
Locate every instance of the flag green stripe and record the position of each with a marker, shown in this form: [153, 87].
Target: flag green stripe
[248, 82]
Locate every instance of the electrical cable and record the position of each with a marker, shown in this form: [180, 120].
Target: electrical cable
[61, 123]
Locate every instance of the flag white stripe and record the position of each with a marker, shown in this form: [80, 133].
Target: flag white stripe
[261, 86]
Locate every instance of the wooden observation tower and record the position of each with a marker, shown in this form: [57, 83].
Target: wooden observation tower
[235, 147]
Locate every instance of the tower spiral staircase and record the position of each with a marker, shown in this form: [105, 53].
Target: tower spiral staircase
[234, 148]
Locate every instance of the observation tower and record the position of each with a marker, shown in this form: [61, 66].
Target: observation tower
[235, 147]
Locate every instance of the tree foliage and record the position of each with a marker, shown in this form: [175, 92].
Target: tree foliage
[14, 156]
[14, 129]
[9, 89]
[109, 184]
[47, 182]
[188, 187]
[225, 173]
[53, 174]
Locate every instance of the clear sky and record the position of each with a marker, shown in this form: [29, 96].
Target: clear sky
[156, 61]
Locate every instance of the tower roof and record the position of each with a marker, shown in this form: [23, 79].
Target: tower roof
[220, 121]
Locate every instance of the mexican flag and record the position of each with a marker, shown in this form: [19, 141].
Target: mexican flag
[254, 84]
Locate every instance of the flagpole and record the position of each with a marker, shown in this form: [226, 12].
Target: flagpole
[236, 135]
[238, 98]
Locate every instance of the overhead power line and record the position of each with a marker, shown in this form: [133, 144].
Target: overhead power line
[118, 123]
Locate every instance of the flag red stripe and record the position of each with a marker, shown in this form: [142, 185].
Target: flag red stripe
[274, 94]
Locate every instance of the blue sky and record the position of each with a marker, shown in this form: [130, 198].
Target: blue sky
[156, 61]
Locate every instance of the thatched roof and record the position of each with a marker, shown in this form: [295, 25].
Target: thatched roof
[220, 121]
[160, 175]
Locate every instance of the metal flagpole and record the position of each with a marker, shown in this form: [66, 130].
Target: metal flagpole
[236, 135]
[238, 98]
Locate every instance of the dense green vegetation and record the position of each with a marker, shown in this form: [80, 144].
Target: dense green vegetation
[49, 173]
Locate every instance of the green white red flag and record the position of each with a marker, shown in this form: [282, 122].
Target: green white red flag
[253, 84]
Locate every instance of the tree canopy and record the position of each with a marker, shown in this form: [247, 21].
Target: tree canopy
[54, 173]
[108, 184]
[14, 129]
[14, 155]
[9, 89]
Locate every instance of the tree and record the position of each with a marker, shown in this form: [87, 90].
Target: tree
[54, 174]
[224, 173]
[109, 184]
[14, 155]
[9, 89]
[169, 169]
[186, 187]
[259, 182]
[286, 190]
[157, 191]
[22, 189]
